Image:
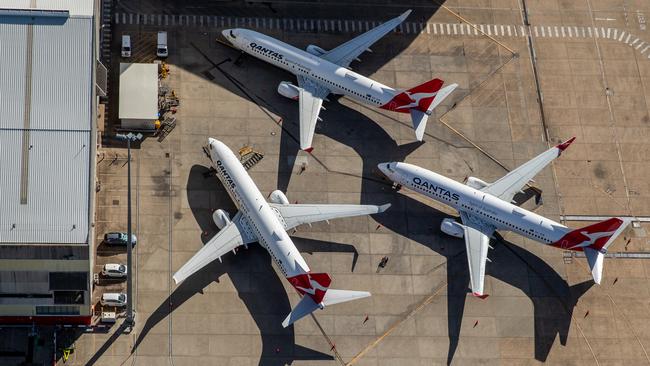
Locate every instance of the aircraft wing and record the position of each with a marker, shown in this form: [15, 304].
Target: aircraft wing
[344, 54]
[506, 187]
[477, 239]
[298, 214]
[234, 234]
[310, 99]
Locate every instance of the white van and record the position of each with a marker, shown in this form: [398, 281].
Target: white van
[161, 50]
[113, 299]
[126, 45]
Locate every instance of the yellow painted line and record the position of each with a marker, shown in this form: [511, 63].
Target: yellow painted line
[372, 345]
[477, 28]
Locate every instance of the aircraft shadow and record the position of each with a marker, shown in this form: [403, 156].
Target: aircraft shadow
[553, 299]
[256, 80]
[249, 272]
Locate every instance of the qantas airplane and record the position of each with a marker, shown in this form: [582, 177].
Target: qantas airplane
[267, 223]
[321, 73]
[487, 207]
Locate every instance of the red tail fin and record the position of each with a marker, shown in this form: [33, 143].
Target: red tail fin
[419, 97]
[313, 284]
[596, 236]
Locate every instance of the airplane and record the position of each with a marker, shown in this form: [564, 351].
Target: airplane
[321, 73]
[487, 207]
[267, 223]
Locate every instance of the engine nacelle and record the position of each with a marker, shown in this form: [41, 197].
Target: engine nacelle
[315, 50]
[288, 90]
[476, 183]
[278, 197]
[451, 227]
[221, 218]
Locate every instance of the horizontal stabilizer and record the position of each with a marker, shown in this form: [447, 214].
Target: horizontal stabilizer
[419, 120]
[595, 260]
[305, 307]
[333, 296]
[442, 94]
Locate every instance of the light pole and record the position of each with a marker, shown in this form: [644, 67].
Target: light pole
[129, 322]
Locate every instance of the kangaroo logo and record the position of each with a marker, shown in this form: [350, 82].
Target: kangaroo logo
[592, 238]
[314, 286]
[416, 98]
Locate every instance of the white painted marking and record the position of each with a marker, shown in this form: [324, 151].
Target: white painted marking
[615, 33]
[556, 32]
[627, 40]
[137, 19]
[428, 32]
[570, 35]
[583, 32]
[503, 31]
[117, 18]
[435, 28]
[522, 30]
[489, 30]
[631, 44]
[448, 29]
[130, 18]
[339, 25]
[481, 28]
[645, 49]
[622, 35]
[476, 29]
[562, 31]
[596, 32]
[346, 26]
[408, 27]
[462, 29]
[640, 45]
[166, 19]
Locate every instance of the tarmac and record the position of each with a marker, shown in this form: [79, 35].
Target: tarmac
[542, 306]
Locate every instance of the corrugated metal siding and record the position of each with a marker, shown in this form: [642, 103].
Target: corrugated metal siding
[12, 77]
[75, 7]
[58, 187]
[62, 76]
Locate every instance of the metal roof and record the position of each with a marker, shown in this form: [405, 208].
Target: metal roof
[56, 84]
[75, 7]
[56, 183]
[138, 91]
[46, 129]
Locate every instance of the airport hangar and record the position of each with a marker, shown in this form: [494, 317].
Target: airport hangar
[48, 134]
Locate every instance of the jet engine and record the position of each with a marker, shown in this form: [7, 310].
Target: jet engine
[221, 218]
[315, 50]
[288, 90]
[475, 183]
[451, 227]
[278, 197]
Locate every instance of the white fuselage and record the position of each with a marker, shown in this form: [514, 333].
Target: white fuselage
[337, 79]
[263, 221]
[490, 209]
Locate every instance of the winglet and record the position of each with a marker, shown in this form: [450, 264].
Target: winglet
[384, 207]
[482, 297]
[309, 149]
[405, 14]
[565, 144]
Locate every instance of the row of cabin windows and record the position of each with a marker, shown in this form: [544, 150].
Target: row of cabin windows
[366, 97]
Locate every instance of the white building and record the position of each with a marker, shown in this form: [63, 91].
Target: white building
[138, 108]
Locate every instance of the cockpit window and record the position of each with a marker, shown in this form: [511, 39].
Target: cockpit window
[232, 34]
[390, 168]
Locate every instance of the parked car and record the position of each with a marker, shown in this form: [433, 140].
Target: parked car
[126, 45]
[114, 270]
[119, 239]
[113, 299]
[161, 49]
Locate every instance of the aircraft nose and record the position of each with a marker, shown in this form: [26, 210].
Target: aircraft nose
[385, 168]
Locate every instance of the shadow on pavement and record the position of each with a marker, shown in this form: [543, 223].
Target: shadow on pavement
[264, 295]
